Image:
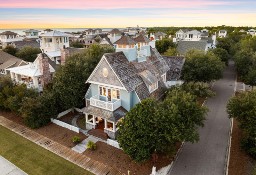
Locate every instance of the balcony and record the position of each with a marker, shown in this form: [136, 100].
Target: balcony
[101, 102]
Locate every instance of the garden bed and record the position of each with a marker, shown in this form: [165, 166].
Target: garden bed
[52, 131]
[116, 158]
[240, 162]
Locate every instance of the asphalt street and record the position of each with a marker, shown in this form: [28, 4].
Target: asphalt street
[208, 156]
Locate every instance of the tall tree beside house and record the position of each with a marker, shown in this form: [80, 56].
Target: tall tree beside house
[164, 44]
[69, 81]
[10, 49]
[172, 51]
[202, 67]
[156, 126]
[242, 108]
[76, 44]
[28, 53]
[222, 54]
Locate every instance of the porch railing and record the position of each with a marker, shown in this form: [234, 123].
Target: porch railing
[104, 104]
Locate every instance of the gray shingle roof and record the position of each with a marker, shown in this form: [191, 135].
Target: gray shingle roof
[24, 43]
[141, 38]
[175, 63]
[126, 40]
[115, 31]
[109, 115]
[184, 46]
[7, 60]
[8, 33]
[125, 70]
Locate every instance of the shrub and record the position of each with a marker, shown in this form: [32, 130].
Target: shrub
[248, 144]
[91, 145]
[76, 139]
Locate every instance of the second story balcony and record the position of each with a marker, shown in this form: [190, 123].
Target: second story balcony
[105, 103]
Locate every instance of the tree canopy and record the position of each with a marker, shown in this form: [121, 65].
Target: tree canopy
[222, 54]
[156, 126]
[11, 50]
[28, 53]
[164, 44]
[202, 67]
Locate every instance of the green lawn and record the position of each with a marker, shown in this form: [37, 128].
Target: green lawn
[34, 159]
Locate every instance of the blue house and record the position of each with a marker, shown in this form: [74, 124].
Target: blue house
[122, 79]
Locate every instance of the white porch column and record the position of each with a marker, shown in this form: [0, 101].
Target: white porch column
[35, 82]
[94, 121]
[114, 127]
[105, 123]
[86, 118]
[16, 78]
[12, 75]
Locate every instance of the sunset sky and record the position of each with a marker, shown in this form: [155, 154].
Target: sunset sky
[124, 13]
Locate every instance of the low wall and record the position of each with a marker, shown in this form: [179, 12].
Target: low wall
[113, 143]
[64, 113]
[65, 125]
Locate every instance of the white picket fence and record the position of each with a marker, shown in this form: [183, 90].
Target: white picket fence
[64, 113]
[65, 125]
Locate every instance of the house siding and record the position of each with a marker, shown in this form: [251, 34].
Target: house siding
[111, 78]
[135, 99]
[126, 99]
[131, 54]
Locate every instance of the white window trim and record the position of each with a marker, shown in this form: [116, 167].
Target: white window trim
[164, 77]
[107, 92]
[152, 90]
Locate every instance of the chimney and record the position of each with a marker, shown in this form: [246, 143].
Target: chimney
[64, 55]
[44, 69]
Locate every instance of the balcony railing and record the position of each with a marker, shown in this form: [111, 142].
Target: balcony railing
[104, 104]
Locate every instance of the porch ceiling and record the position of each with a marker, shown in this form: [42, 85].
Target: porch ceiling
[109, 115]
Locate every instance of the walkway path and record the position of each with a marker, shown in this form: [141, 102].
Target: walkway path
[81, 147]
[7, 168]
[64, 152]
[208, 156]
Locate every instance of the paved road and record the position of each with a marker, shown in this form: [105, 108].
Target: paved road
[207, 157]
[7, 168]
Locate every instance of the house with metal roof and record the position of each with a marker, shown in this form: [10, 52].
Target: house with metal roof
[123, 79]
[8, 37]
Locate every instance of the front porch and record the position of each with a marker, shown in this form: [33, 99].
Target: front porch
[103, 120]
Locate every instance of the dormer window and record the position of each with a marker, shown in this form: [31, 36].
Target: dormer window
[153, 87]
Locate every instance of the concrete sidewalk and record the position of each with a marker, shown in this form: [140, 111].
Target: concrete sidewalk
[7, 168]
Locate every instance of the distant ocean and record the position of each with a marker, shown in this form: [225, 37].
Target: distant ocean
[21, 31]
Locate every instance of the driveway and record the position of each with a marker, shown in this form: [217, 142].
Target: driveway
[208, 156]
[7, 168]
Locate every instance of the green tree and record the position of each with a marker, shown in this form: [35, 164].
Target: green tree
[171, 52]
[69, 81]
[222, 54]
[28, 53]
[163, 45]
[10, 49]
[76, 44]
[202, 67]
[156, 126]
[250, 78]
[199, 89]
[242, 108]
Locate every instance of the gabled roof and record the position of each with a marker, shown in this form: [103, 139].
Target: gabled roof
[141, 38]
[148, 77]
[7, 60]
[126, 40]
[184, 46]
[54, 33]
[24, 43]
[175, 64]
[115, 31]
[125, 71]
[8, 33]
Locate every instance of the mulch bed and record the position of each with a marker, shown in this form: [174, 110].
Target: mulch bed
[68, 117]
[116, 158]
[240, 162]
[81, 122]
[52, 131]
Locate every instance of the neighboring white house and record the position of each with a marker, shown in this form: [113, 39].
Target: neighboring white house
[34, 75]
[187, 35]
[52, 42]
[222, 33]
[8, 37]
[252, 32]
[32, 33]
[114, 35]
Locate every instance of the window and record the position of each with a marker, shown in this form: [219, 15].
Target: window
[110, 125]
[190, 35]
[115, 94]
[90, 118]
[153, 87]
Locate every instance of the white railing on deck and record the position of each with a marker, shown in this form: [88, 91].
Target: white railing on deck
[108, 105]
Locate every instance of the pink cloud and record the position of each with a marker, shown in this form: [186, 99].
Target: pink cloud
[109, 4]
